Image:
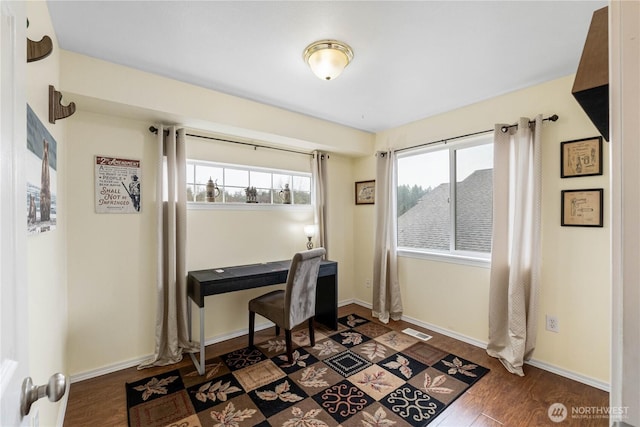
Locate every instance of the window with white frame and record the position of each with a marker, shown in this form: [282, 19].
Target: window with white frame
[233, 180]
[444, 198]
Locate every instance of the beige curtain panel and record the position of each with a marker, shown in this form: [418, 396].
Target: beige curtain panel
[171, 322]
[515, 254]
[387, 301]
[319, 173]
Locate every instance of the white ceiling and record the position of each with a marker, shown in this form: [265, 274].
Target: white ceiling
[412, 59]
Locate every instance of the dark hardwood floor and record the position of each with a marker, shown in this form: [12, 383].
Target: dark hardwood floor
[499, 398]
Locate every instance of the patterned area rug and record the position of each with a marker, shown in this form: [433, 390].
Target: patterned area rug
[364, 374]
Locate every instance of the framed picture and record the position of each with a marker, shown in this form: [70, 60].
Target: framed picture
[365, 192]
[582, 208]
[581, 157]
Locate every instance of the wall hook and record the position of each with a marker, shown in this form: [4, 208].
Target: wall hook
[39, 50]
[56, 109]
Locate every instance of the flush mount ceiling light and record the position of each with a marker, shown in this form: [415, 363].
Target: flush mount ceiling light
[327, 58]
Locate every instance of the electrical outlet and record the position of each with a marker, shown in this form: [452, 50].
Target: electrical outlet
[367, 283]
[552, 323]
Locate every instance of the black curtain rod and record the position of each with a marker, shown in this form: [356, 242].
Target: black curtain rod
[154, 129]
[504, 129]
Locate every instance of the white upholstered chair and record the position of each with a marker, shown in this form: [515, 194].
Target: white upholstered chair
[290, 307]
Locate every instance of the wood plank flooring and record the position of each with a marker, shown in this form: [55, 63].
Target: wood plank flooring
[500, 398]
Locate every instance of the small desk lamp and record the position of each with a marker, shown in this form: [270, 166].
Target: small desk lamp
[309, 231]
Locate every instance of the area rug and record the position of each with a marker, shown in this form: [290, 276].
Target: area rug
[364, 374]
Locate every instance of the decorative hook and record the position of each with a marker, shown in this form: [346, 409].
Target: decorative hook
[39, 50]
[56, 109]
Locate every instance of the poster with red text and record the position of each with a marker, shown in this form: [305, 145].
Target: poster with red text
[118, 185]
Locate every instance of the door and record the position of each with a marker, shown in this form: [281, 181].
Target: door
[13, 293]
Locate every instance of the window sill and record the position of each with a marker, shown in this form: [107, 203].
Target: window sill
[445, 257]
[204, 206]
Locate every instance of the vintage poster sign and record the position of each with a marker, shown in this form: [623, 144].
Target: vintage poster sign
[117, 185]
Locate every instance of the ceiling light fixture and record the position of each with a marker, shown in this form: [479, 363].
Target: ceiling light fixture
[327, 58]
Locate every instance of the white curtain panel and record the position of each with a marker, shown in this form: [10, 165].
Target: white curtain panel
[515, 253]
[387, 301]
[319, 172]
[171, 321]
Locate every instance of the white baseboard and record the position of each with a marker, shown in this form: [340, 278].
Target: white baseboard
[482, 344]
[452, 334]
[446, 332]
[347, 302]
[135, 362]
[571, 375]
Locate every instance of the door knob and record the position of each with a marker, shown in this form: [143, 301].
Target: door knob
[54, 390]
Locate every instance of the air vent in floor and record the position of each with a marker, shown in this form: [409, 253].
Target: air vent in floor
[420, 335]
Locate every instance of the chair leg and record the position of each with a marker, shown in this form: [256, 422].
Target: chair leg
[277, 330]
[287, 334]
[312, 336]
[252, 326]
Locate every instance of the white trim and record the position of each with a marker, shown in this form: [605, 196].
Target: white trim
[63, 407]
[350, 301]
[569, 374]
[109, 369]
[7, 368]
[482, 344]
[360, 302]
[445, 257]
[446, 332]
[248, 167]
[219, 206]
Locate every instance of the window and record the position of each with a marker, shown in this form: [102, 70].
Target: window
[437, 217]
[232, 180]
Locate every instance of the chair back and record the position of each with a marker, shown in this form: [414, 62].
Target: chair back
[300, 293]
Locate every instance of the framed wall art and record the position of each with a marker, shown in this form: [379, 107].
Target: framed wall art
[365, 192]
[41, 174]
[581, 157]
[582, 208]
[117, 185]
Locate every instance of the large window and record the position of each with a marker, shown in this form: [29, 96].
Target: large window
[233, 180]
[445, 198]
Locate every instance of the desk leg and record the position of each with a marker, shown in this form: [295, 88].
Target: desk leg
[327, 301]
[189, 302]
[199, 366]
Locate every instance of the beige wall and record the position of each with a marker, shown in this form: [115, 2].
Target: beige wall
[575, 267]
[46, 253]
[109, 259]
[98, 86]
[112, 266]
[112, 269]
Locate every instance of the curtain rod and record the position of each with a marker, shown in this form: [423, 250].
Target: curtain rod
[504, 129]
[255, 146]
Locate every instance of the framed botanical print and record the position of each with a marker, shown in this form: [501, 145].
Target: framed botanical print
[581, 157]
[365, 192]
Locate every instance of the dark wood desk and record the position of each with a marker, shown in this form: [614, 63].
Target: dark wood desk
[202, 283]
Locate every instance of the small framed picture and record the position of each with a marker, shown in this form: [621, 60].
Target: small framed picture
[581, 157]
[365, 192]
[582, 208]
